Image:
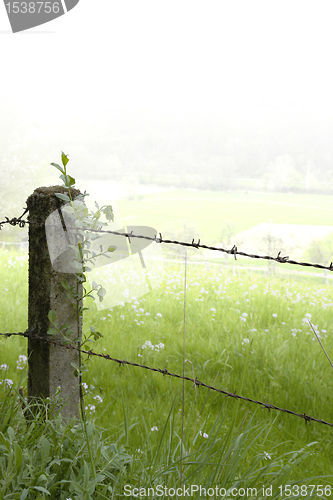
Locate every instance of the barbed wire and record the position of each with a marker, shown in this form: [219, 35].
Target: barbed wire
[233, 251]
[196, 383]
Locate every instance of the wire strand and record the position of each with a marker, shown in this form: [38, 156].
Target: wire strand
[233, 251]
[196, 383]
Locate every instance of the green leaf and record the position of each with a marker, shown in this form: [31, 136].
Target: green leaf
[108, 212]
[71, 180]
[79, 205]
[18, 457]
[58, 167]
[78, 488]
[43, 490]
[100, 477]
[101, 292]
[69, 210]
[68, 180]
[52, 316]
[86, 473]
[62, 196]
[78, 223]
[52, 331]
[80, 196]
[11, 433]
[65, 285]
[24, 494]
[97, 335]
[4, 441]
[81, 278]
[45, 450]
[64, 159]
[111, 249]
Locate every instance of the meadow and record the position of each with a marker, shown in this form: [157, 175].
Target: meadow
[243, 333]
[208, 212]
[246, 330]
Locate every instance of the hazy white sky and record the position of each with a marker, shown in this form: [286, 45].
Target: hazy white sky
[172, 56]
[247, 58]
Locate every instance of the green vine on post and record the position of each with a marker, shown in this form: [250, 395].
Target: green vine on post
[84, 220]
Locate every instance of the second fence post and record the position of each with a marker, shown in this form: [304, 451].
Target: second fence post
[49, 365]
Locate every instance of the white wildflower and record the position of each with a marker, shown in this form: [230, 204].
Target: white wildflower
[8, 382]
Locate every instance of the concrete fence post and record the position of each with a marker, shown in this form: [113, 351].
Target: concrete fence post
[49, 365]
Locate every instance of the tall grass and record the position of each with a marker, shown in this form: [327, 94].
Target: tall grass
[245, 334]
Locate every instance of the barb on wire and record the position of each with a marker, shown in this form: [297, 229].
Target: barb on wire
[233, 251]
[282, 259]
[15, 220]
[164, 371]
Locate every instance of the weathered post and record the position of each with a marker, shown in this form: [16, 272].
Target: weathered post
[49, 365]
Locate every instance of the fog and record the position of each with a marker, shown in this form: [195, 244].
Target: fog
[147, 96]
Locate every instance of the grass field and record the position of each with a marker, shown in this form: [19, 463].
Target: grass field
[218, 217]
[209, 211]
[244, 334]
[246, 330]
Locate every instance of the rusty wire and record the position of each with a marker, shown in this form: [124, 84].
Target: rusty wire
[233, 251]
[196, 383]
